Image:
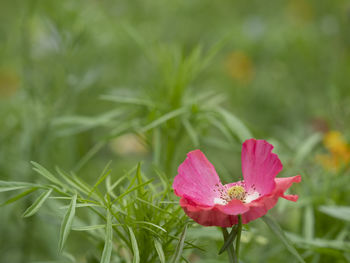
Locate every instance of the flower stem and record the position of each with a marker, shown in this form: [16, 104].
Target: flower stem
[230, 249]
[238, 238]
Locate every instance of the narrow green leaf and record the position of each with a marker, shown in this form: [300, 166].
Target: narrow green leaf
[230, 249]
[340, 212]
[81, 205]
[180, 246]
[272, 224]
[309, 222]
[135, 248]
[157, 149]
[151, 224]
[229, 239]
[89, 228]
[164, 118]
[107, 249]
[106, 171]
[306, 147]
[127, 100]
[19, 196]
[235, 125]
[115, 184]
[44, 172]
[37, 204]
[159, 250]
[67, 223]
[191, 132]
[131, 190]
[10, 186]
[71, 181]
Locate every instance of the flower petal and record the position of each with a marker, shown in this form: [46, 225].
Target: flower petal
[259, 166]
[260, 206]
[197, 179]
[234, 207]
[227, 216]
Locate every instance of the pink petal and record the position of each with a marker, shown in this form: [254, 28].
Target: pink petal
[226, 216]
[197, 179]
[259, 166]
[260, 206]
[234, 207]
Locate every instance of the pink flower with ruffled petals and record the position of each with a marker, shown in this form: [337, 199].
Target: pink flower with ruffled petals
[210, 203]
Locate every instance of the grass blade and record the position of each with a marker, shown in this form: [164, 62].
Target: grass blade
[159, 250]
[164, 118]
[180, 246]
[306, 148]
[235, 125]
[106, 171]
[37, 204]
[93, 227]
[340, 212]
[131, 190]
[10, 186]
[107, 249]
[127, 100]
[19, 196]
[276, 229]
[44, 172]
[135, 248]
[229, 239]
[67, 223]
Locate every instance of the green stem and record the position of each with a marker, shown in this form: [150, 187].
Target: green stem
[230, 250]
[238, 238]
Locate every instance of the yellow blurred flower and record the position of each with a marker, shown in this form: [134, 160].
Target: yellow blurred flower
[339, 151]
[128, 144]
[9, 82]
[240, 67]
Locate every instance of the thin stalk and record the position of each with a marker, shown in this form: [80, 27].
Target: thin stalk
[230, 250]
[238, 239]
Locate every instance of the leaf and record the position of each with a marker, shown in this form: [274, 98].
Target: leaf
[37, 204]
[135, 248]
[67, 223]
[128, 100]
[159, 250]
[71, 181]
[131, 190]
[10, 186]
[191, 132]
[49, 176]
[235, 125]
[320, 243]
[106, 171]
[19, 196]
[89, 228]
[340, 212]
[107, 249]
[151, 224]
[272, 224]
[164, 118]
[306, 147]
[180, 246]
[229, 239]
[309, 223]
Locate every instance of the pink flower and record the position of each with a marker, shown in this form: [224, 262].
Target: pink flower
[209, 203]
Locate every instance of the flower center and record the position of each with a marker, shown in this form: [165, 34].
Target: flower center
[236, 192]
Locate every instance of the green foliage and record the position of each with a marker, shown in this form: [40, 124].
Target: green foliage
[78, 79]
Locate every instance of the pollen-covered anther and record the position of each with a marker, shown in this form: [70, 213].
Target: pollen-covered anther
[236, 192]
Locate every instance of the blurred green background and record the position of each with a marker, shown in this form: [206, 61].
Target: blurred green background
[85, 82]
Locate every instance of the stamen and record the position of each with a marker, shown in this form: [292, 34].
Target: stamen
[236, 192]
